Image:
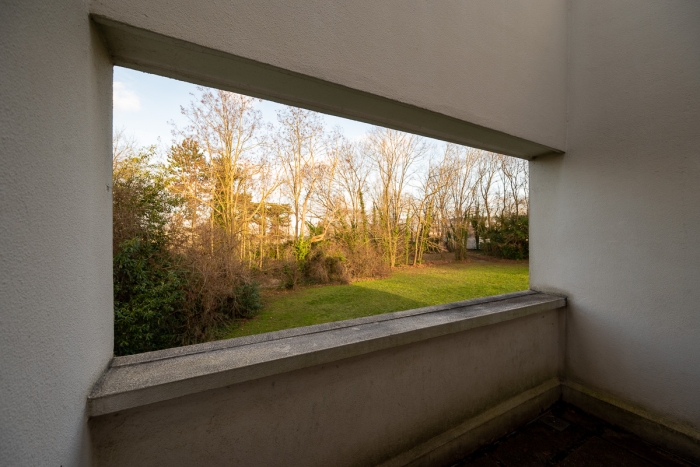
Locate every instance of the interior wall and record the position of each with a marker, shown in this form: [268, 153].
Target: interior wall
[55, 229]
[615, 222]
[500, 64]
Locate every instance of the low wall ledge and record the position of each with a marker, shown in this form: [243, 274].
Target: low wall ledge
[142, 379]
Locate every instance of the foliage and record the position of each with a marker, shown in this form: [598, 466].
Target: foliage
[141, 203]
[239, 201]
[165, 294]
[508, 238]
[148, 297]
[326, 265]
[148, 281]
[248, 302]
[301, 248]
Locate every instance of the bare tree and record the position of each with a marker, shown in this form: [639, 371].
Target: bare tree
[426, 208]
[394, 155]
[267, 181]
[226, 126]
[487, 167]
[352, 175]
[299, 147]
[462, 188]
[123, 147]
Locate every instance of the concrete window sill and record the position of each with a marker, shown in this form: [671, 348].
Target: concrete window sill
[142, 379]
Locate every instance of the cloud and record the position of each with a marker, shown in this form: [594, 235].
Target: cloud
[125, 99]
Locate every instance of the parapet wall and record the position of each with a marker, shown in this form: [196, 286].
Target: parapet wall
[403, 403]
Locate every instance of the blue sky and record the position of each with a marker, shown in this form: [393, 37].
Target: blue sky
[145, 103]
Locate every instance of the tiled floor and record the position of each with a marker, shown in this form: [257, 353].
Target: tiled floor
[567, 437]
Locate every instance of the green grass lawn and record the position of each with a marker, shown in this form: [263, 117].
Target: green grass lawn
[405, 289]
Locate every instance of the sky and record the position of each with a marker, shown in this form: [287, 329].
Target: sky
[144, 104]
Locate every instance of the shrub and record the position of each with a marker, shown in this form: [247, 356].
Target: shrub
[148, 277]
[339, 261]
[365, 261]
[301, 248]
[166, 294]
[291, 273]
[148, 298]
[508, 238]
[326, 265]
[218, 288]
[247, 300]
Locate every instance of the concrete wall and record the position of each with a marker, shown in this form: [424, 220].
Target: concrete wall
[357, 411]
[500, 64]
[616, 221]
[55, 229]
[55, 119]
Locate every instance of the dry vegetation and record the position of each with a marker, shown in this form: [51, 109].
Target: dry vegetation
[237, 202]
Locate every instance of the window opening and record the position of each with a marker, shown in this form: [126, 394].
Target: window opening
[235, 216]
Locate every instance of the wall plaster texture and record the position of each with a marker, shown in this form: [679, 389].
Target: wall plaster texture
[356, 411]
[55, 229]
[143, 379]
[500, 64]
[615, 222]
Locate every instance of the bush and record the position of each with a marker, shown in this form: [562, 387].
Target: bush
[166, 294]
[291, 274]
[365, 261]
[148, 298]
[148, 277]
[334, 260]
[326, 265]
[163, 300]
[340, 262]
[247, 301]
[217, 289]
[508, 238]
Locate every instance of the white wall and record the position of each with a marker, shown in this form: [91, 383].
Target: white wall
[500, 64]
[55, 229]
[55, 280]
[355, 411]
[616, 221]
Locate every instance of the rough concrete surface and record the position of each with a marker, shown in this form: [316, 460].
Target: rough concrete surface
[615, 222]
[154, 53]
[499, 64]
[178, 372]
[360, 410]
[55, 229]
